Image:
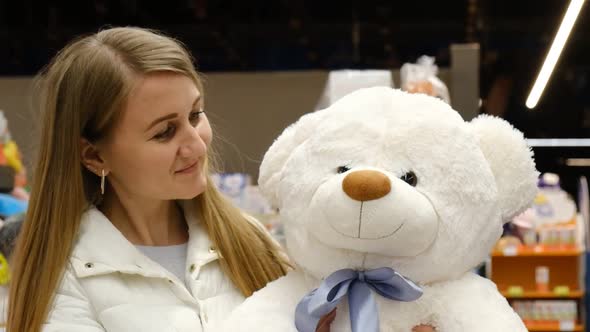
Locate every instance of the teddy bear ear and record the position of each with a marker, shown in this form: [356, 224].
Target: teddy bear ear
[511, 161]
[280, 151]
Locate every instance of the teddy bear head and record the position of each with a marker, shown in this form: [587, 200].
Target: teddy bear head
[384, 178]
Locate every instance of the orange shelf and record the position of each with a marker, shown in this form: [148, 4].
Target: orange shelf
[523, 251]
[544, 295]
[550, 327]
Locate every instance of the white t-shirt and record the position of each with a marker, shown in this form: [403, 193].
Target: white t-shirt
[172, 258]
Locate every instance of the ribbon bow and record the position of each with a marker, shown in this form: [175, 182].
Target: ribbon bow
[364, 315]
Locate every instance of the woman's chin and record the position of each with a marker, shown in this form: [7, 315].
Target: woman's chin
[193, 189]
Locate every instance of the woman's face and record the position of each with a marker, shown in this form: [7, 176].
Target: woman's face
[158, 148]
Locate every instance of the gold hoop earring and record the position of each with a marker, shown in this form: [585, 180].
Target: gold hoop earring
[102, 183]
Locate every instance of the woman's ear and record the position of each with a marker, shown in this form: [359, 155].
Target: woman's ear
[91, 158]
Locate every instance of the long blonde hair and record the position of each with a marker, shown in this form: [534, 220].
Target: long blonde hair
[83, 91]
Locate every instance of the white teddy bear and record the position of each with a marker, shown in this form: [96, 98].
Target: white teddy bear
[385, 184]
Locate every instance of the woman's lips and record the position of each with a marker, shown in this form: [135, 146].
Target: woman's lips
[189, 169]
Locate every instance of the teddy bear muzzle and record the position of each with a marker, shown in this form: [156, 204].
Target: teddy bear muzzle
[366, 185]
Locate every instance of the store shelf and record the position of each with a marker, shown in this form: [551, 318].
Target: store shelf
[544, 295]
[525, 251]
[550, 327]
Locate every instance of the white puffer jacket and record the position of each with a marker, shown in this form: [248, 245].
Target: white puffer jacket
[110, 286]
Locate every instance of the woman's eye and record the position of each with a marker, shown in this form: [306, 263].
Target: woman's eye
[194, 117]
[343, 169]
[166, 133]
[411, 178]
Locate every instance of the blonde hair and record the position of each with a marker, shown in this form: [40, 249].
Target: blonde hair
[83, 91]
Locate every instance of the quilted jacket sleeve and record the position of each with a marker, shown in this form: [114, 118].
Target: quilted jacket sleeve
[71, 311]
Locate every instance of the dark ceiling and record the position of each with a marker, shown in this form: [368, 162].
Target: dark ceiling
[298, 35]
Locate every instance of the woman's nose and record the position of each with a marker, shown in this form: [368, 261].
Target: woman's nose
[192, 144]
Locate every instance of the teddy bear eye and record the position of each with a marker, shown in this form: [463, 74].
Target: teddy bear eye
[411, 178]
[343, 169]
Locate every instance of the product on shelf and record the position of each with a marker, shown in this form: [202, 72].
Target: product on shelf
[537, 264]
[344, 81]
[421, 77]
[542, 278]
[13, 174]
[239, 189]
[546, 310]
[553, 205]
[549, 225]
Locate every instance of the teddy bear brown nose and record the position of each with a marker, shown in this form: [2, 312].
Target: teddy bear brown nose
[366, 185]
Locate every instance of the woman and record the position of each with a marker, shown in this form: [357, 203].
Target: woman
[125, 231]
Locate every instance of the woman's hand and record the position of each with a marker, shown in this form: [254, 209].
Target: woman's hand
[326, 321]
[423, 328]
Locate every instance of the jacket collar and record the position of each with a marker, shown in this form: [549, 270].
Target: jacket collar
[102, 249]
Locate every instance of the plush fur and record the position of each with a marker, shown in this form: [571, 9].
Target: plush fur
[472, 177]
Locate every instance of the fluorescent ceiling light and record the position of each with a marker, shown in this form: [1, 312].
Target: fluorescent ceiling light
[563, 33]
[558, 142]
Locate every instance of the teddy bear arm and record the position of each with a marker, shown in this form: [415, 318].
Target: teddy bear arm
[264, 315]
[270, 309]
[270, 322]
[474, 304]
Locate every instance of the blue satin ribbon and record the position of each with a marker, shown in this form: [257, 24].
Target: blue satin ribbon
[364, 315]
